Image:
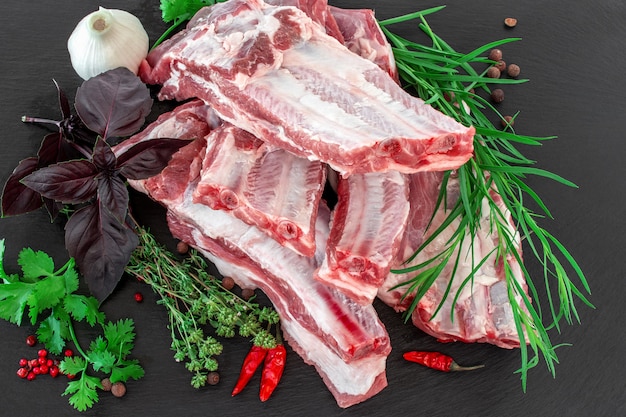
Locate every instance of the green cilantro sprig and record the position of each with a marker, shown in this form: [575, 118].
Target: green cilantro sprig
[49, 298]
[177, 12]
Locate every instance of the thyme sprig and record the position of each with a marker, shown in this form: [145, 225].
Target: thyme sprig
[195, 300]
[435, 72]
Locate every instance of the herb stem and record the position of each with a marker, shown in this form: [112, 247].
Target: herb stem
[28, 119]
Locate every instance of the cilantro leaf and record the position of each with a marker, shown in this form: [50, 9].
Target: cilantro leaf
[5, 278]
[35, 264]
[54, 331]
[120, 336]
[47, 293]
[73, 365]
[181, 10]
[126, 370]
[70, 275]
[102, 360]
[84, 392]
[13, 300]
[81, 308]
[98, 344]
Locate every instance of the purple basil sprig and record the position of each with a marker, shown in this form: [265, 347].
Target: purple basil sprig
[76, 166]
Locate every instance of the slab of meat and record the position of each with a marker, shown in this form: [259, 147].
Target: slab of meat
[190, 120]
[346, 343]
[318, 11]
[351, 343]
[366, 231]
[274, 72]
[482, 312]
[363, 36]
[262, 185]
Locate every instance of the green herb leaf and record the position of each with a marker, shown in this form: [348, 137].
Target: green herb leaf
[120, 336]
[53, 332]
[84, 394]
[3, 275]
[13, 301]
[102, 360]
[47, 293]
[73, 365]
[81, 308]
[126, 370]
[35, 264]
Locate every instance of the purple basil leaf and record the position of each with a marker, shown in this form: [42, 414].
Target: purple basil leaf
[148, 158]
[63, 102]
[103, 156]
[113, 195]
[101, 246]
[55, 148]
[16, 197]
[114, 103]
[69, 182]
[52, 207]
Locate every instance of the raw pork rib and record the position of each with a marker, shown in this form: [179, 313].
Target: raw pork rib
[190, 120]
[363, 36]
[262, 185]
[366, 230]
[483, 312]
[274, 72]
[346, 342]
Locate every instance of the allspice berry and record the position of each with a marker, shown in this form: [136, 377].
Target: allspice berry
[247, 293]
[106, 384]
[182, 248]
[118, 389]
[510, 22]
[501, 65]
[497, 95]
[508, 121]
[213, 378]
[493, 72]
[495, 55]
[228, 283]
[513, 70]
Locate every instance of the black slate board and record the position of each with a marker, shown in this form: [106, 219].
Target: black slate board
[574, 57]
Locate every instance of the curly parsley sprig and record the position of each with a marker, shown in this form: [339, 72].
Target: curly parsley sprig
[195, 300]
[497, 164]
[43, 290]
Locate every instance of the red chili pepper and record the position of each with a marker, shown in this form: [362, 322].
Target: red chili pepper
[252, 361]
[272, 371]
[437, 360]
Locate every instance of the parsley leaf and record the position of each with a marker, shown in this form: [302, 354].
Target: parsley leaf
[35, 264]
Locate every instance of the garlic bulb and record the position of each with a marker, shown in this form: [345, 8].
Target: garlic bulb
[107, 39]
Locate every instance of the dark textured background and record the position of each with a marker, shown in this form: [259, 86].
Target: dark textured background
[574, 58]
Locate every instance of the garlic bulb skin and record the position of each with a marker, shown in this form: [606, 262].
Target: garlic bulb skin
[107, 39]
